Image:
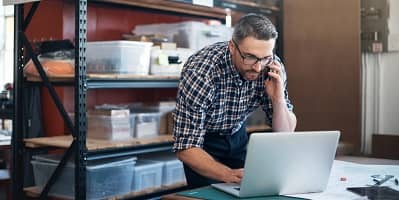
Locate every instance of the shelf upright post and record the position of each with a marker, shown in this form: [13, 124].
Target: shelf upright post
[80, 98]
[17, 133]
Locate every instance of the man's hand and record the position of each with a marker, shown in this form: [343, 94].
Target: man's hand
[283, 119]
[204, 164]
[274, 84]
[234, 176]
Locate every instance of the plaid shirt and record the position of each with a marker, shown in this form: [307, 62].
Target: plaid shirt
[213, 98]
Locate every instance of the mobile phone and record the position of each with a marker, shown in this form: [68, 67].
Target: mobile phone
[265, 71]
[376, 193]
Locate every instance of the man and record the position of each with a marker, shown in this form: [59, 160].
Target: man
[219, 87]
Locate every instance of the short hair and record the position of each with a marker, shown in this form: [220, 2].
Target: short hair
[255, 25]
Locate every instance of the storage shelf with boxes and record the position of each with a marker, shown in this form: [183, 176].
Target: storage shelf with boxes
[105, 178]
[108, 73]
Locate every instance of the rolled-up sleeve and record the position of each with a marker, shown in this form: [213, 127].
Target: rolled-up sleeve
[195, 95]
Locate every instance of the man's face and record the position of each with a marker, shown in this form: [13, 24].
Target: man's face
[252, 56]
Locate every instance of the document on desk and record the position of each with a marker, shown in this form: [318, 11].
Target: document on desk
[348, 174]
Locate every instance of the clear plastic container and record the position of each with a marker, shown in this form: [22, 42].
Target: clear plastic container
[104, 178]
[172, 169]
[145, 124]
[190, 34]
[147, 174]
[196, 35]
[119, 57]
[107, 127]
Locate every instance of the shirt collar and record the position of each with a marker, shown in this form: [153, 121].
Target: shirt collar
[232, 70]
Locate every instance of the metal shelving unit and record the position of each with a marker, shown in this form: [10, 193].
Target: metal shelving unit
[81, 83]
[77, 146]
[23, 51]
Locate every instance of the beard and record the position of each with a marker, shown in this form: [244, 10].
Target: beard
[251, 75]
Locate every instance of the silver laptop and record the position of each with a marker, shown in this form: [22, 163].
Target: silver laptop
[285, 163]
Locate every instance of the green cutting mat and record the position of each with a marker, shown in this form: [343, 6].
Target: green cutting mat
[211, 193]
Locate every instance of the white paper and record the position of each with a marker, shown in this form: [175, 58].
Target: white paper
[355, 175]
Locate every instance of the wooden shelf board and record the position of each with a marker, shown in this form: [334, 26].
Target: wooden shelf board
[131, 77]
[151, 190]
[94, 144]
[34, 191]
[253, 4]
[178, 7]
[58, 78]
[98, 144]
[105, 77]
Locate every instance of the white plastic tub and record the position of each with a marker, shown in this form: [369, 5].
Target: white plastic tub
[172, 169]
[147, 174]
[119, 57]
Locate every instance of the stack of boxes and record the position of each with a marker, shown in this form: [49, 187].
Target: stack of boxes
[139, 58]
[121, 122]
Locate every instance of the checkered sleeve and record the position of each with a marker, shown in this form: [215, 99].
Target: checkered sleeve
[195, 94]
[266, 101]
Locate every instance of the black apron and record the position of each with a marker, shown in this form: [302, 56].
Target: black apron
[227, 149]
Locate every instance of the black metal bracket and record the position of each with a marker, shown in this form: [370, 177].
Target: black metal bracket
[47, 83]
[57, 171]
[28, 18]
[17, 135]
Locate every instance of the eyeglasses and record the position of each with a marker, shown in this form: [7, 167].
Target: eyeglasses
[252, 60]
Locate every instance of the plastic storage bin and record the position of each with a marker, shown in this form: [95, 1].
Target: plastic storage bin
[145, 124]
[119, 57]
[190, 34]
[172, 169]
[108, 127]
[104, 178]
[147, 174]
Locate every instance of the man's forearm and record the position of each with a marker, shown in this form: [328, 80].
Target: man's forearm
[283, 119]
[204, 164]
